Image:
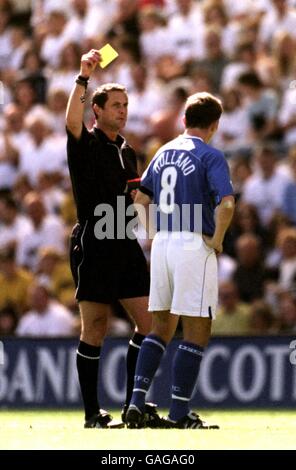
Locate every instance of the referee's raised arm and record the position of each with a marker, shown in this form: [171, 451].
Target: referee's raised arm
[75, 107]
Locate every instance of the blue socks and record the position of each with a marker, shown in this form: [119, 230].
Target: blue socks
[186, 366]
[149, 359]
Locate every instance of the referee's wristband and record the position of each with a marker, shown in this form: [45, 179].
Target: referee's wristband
[83, 81]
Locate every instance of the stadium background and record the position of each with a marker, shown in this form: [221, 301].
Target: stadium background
[242, 51]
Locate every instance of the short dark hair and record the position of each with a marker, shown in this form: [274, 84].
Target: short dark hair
[250, 79]
[100, 95]
[9, 201]
[7, 253]
[202, 110]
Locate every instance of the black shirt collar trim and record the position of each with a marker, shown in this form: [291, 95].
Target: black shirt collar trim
[119, 139]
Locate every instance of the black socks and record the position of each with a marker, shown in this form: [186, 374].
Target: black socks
[87, 361]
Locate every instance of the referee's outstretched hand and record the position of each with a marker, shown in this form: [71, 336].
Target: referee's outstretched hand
[89, 61]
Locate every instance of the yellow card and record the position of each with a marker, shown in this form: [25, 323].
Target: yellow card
[108, 54]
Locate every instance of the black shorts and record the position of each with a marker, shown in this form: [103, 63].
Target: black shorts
[106, 270]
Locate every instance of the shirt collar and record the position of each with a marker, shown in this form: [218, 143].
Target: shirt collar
[188, 136]
[119, 139]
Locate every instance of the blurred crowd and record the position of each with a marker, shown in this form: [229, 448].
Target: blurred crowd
[168, 49]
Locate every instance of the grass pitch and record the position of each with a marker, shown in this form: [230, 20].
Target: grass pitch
[64, 430]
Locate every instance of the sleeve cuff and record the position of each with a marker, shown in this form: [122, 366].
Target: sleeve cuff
[146, 191]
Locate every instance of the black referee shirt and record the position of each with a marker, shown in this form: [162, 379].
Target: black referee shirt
[99, 170]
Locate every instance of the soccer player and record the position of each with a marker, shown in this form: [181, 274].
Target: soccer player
[186, 175]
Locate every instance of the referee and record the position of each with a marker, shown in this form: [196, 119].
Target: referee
[105, 270]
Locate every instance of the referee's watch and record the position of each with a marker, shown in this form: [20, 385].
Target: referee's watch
[82, 81]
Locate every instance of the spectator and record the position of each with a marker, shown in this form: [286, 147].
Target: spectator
[8, 321]
[250, 273]
[48, 231]
[266, 187]
[279, 18]
[241, 170]
[232, 134]
[233, 316]
[262, 106]
[21, 188]
[14, 282]
[20, 44]
[5, 39]
[57, 102]
[32, 68]
[287, 267]
[55, 38]
[46, 317]
[186, 31]
[244, 61]
[166, 123]
[287, 314]
[262, 320]
[25, 95]
[9, 156]
[245, 221]
[215, 60]
[126, 20]
[49, 189]
[283, 58]
[47, 151]
[14, 126]
[153, 31]
[14, 226]
[54, 272]
[89, 20]
[69, 62]
[143, 102]
[289, 196]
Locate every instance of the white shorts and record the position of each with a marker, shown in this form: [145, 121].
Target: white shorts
[183, 275]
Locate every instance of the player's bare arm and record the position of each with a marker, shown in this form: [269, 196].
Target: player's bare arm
[141, 203]
[75, 107]
[224, 214]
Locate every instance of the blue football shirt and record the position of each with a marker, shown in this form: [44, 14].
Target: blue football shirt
[187, 179]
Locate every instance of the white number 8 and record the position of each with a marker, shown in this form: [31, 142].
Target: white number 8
[167, 193]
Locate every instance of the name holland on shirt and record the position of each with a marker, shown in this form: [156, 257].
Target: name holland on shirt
[172, 157]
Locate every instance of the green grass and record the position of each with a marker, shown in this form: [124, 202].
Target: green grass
[64, 430]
